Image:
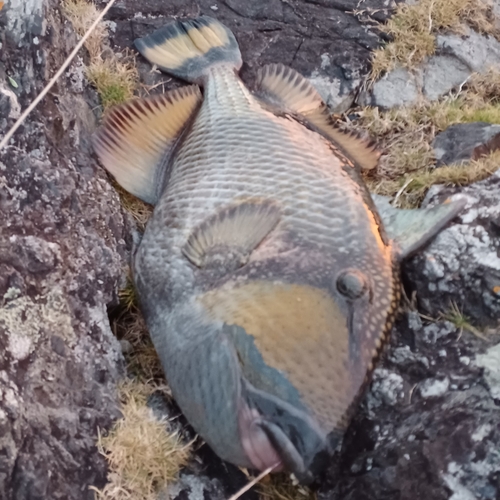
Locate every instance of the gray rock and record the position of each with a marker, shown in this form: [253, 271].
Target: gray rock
[465, 141]
[62, 252]
[397, 88]
[433, 388]
[442, 74]
[478, 52]
[462, 264]
[490, 361]
[321, 39]
[457, 57]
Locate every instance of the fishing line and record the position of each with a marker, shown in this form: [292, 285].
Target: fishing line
[253, 482]
[54, 79]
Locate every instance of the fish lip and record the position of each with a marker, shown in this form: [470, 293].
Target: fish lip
[286, 450]
[284, 433]
[255, 442]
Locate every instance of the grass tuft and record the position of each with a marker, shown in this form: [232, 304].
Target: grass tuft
[281, 487]
[460, 320]
[114, 79]
[140, 211]
[82, 15]
[130, 328]
[144, 454]
[450, 175]
[413, 30]
[405, 134]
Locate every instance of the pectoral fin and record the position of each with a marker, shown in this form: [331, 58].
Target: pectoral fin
[412, 229]
[229, 236]
[137, 138]
[285, 89]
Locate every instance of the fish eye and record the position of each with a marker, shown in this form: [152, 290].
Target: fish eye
[352, 283]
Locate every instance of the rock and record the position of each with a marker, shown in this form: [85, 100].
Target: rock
[397, 88]
[62, 253]
[442, 74]
[478, 52]
[490, 361]
[465, 141]
[433, 388]
[437, 438]
[462, 264]
[456, 58]
[322, 39]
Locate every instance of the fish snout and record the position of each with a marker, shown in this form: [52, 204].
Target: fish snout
[274, 433]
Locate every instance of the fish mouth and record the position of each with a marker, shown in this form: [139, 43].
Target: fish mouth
[275, 434]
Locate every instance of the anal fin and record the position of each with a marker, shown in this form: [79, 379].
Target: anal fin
[136, 139]
[228, 237]
[286, 89]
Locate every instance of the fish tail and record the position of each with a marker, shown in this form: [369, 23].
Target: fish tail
[188, 48]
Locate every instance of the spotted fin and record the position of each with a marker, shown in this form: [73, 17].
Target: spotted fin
[231, 234]
[188, 48]
[412, 229]
[137, 138]
[285, 89]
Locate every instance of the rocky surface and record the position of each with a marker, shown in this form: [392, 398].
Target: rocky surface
[466, 141]
[329, 41]
[62, 253]
[462, 265]
[456, 58]
[428, 428]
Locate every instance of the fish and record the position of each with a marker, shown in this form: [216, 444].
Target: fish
[267, 274]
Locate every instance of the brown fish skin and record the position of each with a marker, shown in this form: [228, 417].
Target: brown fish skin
[265, 275]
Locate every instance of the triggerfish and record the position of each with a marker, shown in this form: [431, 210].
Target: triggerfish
[267, 276]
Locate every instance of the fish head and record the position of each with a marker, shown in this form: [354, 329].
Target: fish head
[303, 352]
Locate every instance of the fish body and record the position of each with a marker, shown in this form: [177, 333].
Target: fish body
[265, 275]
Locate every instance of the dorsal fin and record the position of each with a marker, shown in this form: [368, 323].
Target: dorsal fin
[227, 238]
[284, 88]
[137, 137]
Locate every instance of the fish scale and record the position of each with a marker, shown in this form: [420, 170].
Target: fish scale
[265, 275]
[209, 171]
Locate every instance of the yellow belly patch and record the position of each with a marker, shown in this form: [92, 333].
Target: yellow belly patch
[300, 331]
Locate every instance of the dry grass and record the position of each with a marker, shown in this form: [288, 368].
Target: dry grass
[82, 15]
[115, 78]
[129, 326]
[411, 189]
[140, 211]
[281, 487]
[413, 28]
[144, 454]
[406, 135]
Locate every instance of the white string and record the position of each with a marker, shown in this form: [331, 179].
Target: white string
[54, 79]
[253, 482]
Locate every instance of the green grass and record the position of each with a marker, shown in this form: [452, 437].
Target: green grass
[460, 320]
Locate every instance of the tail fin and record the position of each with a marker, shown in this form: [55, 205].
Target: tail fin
[188, 48]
